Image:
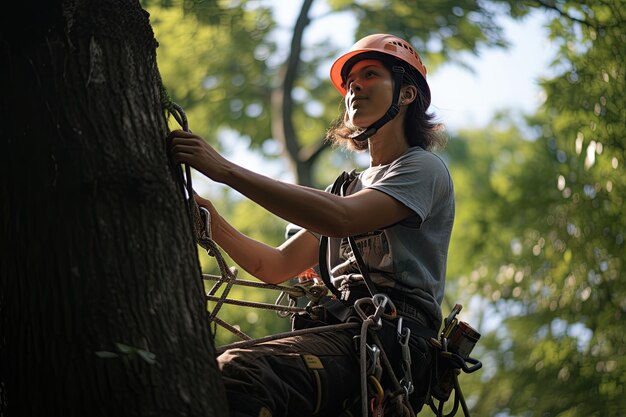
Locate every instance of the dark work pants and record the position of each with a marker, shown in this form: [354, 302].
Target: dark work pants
[309, 375]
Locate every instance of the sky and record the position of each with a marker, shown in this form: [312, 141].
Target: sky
[501, 78]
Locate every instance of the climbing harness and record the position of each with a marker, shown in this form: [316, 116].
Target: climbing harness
[375, 399]
[325, 313]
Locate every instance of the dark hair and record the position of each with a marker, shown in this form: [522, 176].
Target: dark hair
[420, 128]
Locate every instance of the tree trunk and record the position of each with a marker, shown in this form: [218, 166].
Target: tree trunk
[102, 309]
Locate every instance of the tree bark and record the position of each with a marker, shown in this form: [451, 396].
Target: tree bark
[102, 308]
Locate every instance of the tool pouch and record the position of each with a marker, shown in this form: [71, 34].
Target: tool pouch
[456, 342]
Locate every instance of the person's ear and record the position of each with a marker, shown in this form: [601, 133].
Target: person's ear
[408, 93]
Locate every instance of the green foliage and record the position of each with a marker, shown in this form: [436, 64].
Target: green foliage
[217, 71]
[482, 165]
[550, 271]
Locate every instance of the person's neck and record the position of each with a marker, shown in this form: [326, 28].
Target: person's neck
[387, 145]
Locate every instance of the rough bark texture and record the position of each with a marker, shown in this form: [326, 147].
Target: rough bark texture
[97, 250]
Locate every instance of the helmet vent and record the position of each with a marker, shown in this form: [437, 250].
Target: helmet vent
[395, 50]
[404, 45]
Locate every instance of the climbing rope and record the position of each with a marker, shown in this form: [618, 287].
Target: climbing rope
[291, 333]
[181, 118]
[303, 289]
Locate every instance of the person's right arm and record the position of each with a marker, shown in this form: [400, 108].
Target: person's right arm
[269, 264]
[318, 211]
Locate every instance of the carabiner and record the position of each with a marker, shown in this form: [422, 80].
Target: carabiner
[207, 222]
[404, 335]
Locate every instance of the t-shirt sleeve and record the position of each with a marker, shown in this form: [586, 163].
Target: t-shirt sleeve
[417, 180]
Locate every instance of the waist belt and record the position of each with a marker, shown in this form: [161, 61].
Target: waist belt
[405, 308]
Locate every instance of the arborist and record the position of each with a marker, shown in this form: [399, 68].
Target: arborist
[381, 235]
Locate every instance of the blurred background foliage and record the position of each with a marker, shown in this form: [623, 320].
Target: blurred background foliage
[537, 254]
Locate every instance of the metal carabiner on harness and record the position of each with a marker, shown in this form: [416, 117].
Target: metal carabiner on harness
[380, 302]
[404, 335]
[291, 302]
[375, 369]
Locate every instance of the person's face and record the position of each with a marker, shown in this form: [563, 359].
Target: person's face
[369, 88]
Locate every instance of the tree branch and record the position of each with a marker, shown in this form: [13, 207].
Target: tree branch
[282, 123]
[563, 13]
[310, 154]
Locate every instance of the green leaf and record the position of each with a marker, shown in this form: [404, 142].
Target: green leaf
[149, 357]
[106, 354]
[125, 349]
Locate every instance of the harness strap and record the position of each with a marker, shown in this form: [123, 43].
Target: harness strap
[362, 267]
[323, 264]
[342, 179]
[338, 309]
[339, 188]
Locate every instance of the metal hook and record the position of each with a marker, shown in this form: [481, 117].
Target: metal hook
[207, 221]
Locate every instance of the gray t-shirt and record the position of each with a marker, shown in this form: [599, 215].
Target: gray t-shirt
[410, 256]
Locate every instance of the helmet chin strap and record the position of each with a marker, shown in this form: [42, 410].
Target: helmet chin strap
[394, 109]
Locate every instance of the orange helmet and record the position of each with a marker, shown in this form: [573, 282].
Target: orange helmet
[384, 44]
